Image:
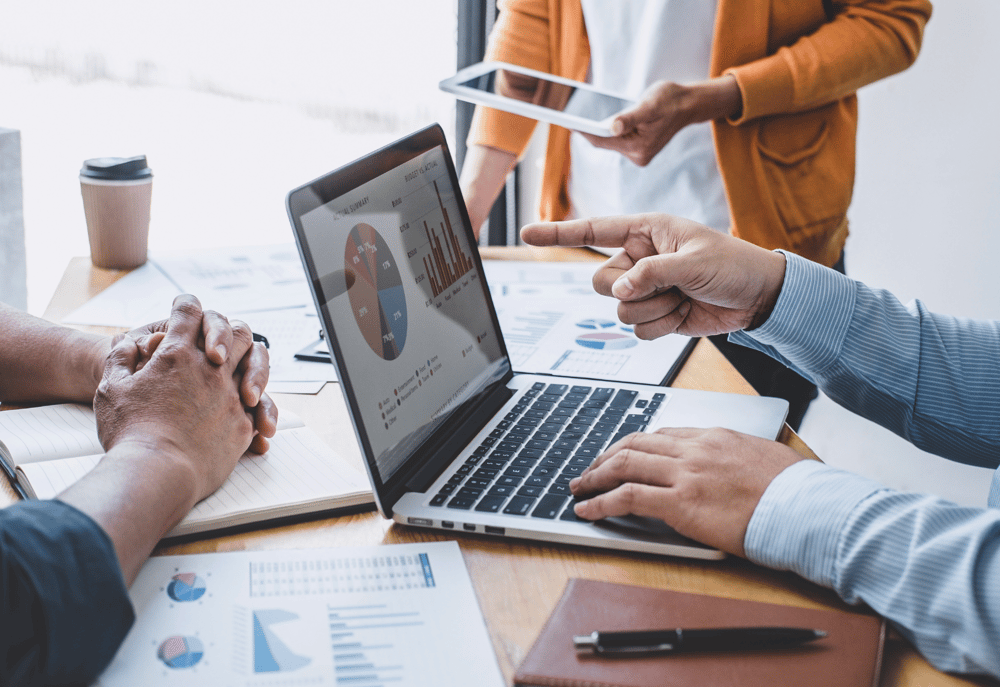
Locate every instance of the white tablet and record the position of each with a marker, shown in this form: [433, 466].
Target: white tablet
[545, 97]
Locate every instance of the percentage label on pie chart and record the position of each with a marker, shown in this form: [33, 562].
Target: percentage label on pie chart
[377, 294]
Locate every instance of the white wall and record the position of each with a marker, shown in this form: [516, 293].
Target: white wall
[926, 222]
[926, 213]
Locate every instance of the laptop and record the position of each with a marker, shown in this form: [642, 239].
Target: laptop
[453, 438]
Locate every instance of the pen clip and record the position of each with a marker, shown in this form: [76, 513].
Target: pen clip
[592, 642]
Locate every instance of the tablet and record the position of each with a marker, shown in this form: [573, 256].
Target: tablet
[571, 104]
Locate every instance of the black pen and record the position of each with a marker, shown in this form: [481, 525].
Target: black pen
[710, 639]
[12, 477]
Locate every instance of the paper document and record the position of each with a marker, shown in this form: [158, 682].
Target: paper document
[402, 614]
[264, 286]
[555, 323]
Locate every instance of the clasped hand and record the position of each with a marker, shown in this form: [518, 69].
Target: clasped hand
[191, 389]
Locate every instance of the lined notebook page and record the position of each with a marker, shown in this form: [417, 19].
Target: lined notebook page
[67, 429]
[299, 474]
[48, 432]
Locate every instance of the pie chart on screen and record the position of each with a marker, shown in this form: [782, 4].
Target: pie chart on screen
[377, 295]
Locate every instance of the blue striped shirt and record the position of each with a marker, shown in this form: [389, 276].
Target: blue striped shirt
[932, 568]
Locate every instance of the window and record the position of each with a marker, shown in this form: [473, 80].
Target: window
[234, 104]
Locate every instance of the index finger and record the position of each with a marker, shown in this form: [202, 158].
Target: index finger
[605, 232]
[218, 336]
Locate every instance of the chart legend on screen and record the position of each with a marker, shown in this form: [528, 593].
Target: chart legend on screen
[447, 263]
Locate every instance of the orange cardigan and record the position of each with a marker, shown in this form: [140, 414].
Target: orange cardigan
[788, 161]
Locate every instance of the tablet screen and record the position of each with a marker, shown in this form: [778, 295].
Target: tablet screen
[579, 102]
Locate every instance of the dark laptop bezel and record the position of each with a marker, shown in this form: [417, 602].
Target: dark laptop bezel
[465, 421]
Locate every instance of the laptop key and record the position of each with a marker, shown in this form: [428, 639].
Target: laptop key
[538, 443]
[549, 506]
[624, 398]
[560, 489]
[519, 505]
[501, 490]
[461, 502]
[538, 481]
[491, 503]
[439, 499]
[478, 483]
[528, 490]
[509, 480]
[570, 514]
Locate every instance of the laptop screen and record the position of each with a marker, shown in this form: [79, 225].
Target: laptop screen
[395, 273]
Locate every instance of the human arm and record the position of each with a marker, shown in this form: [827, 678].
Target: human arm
[173, 424]
[665, 108]
[484, 172]
[861, 42]
[178, 416]
[44, 362]
[929, 378]
[927, 565]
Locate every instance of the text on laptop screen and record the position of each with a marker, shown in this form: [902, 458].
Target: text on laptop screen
[398, 281]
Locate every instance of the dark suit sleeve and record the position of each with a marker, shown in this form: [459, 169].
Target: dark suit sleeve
[64, 606]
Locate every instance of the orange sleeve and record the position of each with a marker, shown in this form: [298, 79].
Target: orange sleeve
[520, 36]
[864, 41]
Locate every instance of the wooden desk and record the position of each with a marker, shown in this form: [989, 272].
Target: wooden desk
[518, 583]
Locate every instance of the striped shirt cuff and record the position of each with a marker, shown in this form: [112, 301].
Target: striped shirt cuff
[801, 518]
[811, 317]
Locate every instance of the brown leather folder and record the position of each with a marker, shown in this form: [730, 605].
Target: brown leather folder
[849, 656]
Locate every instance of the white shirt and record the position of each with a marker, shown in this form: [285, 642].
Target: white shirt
[634, 43]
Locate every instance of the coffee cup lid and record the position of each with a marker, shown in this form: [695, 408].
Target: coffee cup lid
[117, 168]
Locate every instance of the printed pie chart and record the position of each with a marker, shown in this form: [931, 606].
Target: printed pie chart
[377, 294]
[595, 323]
[186, 587]
[607, 341]
[180, 652]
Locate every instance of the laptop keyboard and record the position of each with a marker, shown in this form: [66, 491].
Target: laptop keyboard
[550, 436]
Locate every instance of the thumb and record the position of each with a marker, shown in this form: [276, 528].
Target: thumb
[629, 121]
[122, 360]
[648, 276]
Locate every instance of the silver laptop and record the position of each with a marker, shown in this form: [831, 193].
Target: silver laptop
[452, 437]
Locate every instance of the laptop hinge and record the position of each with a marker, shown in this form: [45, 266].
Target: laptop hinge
[458, 438]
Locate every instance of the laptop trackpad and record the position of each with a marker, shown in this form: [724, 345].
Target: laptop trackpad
[649, 529]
